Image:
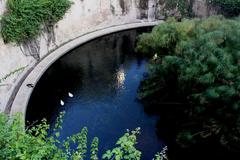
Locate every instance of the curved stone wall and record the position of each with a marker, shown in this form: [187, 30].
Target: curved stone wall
[23, 95]
[85, 16]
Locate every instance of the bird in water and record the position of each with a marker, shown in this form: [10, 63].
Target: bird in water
[61, 102]
[70, 94]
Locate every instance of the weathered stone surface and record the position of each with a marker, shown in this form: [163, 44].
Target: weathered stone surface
[202, 9]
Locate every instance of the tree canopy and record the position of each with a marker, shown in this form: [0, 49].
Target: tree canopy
[199, 60]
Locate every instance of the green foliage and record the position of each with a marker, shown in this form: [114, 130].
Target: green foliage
[229, 7]
[126, 148]
[34, 143]
[94, 149]
[181, 5]
[162, 155]
[199, 61]
[25, 19]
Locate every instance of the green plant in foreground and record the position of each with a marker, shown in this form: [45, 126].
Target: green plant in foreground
[198, 61]
[25, 19]
[126, 147]
[34, 143]
[94, 149]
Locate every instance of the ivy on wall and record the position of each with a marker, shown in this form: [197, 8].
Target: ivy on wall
[184, 7]
[25, 19]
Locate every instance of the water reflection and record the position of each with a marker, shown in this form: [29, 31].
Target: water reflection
[120, 78]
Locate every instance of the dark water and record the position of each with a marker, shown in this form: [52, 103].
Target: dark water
[103, 76]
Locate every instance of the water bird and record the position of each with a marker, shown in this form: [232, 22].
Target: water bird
[61, 102]
[155, 56]
[70, 94]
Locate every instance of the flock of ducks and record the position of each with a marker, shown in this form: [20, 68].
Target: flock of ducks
[62, 102]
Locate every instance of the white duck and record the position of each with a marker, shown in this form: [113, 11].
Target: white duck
[70, 94]
[61, 102]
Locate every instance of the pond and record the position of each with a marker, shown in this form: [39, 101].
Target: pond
[96, 85]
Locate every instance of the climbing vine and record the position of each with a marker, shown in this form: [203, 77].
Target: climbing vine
[25, 19]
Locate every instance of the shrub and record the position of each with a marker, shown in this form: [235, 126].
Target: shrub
[126, 149]
[198, 60]
[24, 19]
[16, 142]
[34, 143]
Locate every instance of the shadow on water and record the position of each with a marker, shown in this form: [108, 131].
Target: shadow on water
[103, 76]
[171, 120]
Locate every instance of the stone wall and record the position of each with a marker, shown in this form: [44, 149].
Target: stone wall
[85, 16]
